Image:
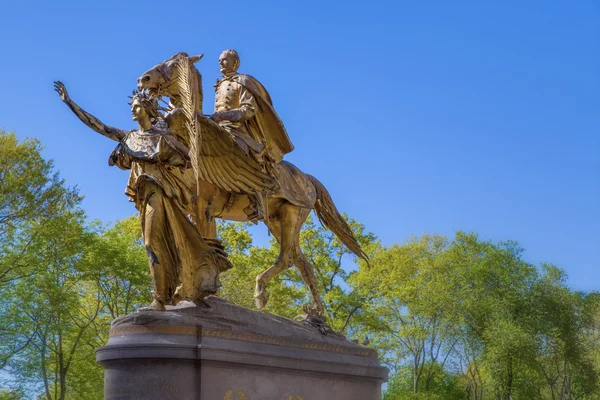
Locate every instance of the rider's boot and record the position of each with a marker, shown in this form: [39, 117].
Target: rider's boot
[256, 210]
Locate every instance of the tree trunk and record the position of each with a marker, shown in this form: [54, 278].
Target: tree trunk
[507, 395]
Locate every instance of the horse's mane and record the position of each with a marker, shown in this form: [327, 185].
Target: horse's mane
[190, 93]
[197, 87]
[190, 79]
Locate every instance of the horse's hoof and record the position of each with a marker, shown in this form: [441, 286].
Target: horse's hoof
[201, 300]
[176, 299]
[261, 299]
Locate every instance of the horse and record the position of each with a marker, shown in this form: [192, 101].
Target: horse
[226, 191]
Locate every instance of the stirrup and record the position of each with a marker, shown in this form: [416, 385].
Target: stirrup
[254, 213]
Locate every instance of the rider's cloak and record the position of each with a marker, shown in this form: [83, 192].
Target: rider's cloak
[266, 124]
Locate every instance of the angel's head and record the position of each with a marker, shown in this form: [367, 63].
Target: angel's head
[144, 108]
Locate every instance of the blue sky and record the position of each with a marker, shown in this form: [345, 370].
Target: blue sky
[429, 116]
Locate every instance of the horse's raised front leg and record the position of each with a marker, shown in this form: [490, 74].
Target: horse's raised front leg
[286, 230]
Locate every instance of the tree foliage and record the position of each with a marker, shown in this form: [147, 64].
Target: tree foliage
[32, 196]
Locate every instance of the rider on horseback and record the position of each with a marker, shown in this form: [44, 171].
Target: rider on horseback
[244, 109]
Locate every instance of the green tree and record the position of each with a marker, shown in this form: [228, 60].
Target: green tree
[444, 386]
[39, 219]
[412, 321]
[497, 339]
[119, 264]
[567, 326]
[116, 268]
[62, 313]
[32, 195]
[51, 311]
[61, 280]
[10, 395]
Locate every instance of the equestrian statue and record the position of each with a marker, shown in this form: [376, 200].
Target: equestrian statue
[188, 168]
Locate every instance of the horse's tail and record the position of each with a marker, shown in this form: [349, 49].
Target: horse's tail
[329, 216]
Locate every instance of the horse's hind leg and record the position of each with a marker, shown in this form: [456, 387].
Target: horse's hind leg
[286, 229]
[307, 271]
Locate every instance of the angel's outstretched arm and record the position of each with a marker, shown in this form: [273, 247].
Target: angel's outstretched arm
[88, 119]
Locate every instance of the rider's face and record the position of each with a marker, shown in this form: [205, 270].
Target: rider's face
[227, 63]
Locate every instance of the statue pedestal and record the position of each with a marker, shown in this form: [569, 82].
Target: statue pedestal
[223, 351]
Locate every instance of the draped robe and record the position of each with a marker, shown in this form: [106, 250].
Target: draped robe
[161, 185]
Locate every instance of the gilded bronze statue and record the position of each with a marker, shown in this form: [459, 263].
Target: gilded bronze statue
[184, 266]
[240, 164]
[188, 168]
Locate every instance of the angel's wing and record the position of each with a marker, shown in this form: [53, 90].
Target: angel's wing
[223, 163]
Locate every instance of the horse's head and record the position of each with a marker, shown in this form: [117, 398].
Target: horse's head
[163, 79]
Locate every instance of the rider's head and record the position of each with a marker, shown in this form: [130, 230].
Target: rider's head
[229, 61]
[143, 106]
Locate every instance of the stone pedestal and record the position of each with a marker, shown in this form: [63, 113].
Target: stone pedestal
[225, 352]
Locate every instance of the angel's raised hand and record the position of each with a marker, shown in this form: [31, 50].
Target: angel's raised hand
[62, 91]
